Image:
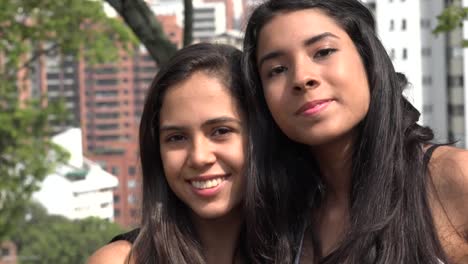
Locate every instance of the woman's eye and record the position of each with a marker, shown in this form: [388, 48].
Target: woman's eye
[277, 70]
[221, 131]
[175, 138]
[324, 53]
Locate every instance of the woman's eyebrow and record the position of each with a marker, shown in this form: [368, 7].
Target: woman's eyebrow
[221, 119]
[277, 53]
[170, 128]
[319, 37]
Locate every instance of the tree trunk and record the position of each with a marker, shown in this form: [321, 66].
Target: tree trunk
[188, 22]
[138, 16]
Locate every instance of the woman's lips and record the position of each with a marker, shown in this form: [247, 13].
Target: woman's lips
[313, 107]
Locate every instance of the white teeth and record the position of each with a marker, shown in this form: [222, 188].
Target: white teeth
[207, 183]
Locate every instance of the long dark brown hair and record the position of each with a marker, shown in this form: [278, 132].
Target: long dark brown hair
[167, 234]
[390, 217]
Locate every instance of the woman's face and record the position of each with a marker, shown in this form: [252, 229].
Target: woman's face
[313, 78]
[202, 145]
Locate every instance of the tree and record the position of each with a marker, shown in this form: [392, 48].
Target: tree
[451, 18]
[138, 16]
[44, 238]
[188, 21]
[30, 29]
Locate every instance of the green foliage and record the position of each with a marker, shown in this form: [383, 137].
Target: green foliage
[28, 30]
[44, 238]
[451, 18]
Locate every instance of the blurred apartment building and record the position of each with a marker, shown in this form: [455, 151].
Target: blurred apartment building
[106, 101]
[211, 18]
[436, 66]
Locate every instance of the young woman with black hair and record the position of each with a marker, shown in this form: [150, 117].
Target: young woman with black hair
[384, 192]
[194, 149]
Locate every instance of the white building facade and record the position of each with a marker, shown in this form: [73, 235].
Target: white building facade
[434, 65]
[80, 188]
[209, 20]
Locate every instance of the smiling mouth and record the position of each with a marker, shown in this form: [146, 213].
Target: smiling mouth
[207, 184]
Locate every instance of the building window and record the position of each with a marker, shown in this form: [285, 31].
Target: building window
[425, 23]
[107, 82]
[131, 199]
[116, 212]
[107, 126]
[108, 115]
[456, 110]
[106, 104]
[392, 54]
[115, 171]
[133, 213]
[131, 170]
[427, 109]
[106, 70]
[108, 93]
[392, 24]
[426, 52]
[455, 81]
[403, 24]
[131, 184]
[427, 80]
[116, 199]
[5, 252]
[405, 54]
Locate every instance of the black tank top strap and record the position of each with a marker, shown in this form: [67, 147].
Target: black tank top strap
[129, 236]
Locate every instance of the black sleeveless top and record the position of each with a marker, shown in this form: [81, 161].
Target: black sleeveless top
[129, 236]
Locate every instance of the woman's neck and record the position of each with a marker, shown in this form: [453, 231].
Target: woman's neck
[335, 163]
[220, 236]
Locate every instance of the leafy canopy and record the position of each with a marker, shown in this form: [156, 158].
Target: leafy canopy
[30, 29]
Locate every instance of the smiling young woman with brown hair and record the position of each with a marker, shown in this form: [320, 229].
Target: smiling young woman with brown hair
[194, 149]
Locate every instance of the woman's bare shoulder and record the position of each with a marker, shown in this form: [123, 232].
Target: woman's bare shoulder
[449, 199]
[449, 171]
[113, 253]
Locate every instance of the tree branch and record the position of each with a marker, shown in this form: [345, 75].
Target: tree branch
[138, 16]
[33, 58]
[188, 21]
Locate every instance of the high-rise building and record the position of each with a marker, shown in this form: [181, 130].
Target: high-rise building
[56, 76]
[209, 20]
[229, 11]
[434, 64]
[109, 123]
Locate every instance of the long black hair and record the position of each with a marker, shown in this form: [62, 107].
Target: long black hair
[390, 217]
[167, 234]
